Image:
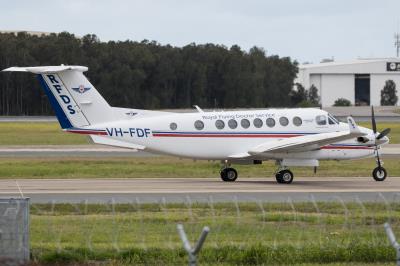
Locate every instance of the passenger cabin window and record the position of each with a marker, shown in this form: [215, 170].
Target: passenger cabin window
[245, 123]
[297, 121]
[257, 122]
[219, 124]
[232, 124]
[284, 121]
[270, 122]
[321, 120]
[173, 126]
[199, 125]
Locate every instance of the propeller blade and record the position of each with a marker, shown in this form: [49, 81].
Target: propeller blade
[373, 120]
[383, 133]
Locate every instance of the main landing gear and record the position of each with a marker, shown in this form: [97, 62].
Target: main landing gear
[228, 174]
[284, 176]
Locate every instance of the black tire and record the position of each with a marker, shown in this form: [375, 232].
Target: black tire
[278, 177]
[379, 173]
[284, 177]
[229, 174]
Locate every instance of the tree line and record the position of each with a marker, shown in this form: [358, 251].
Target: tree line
[147, 74]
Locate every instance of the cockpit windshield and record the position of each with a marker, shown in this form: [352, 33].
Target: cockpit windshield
[332, 120]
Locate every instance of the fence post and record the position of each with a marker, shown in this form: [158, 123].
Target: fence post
[192, 252]
[14, 231]
[393, 242]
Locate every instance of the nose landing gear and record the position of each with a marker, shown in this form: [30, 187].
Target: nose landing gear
[379, 173]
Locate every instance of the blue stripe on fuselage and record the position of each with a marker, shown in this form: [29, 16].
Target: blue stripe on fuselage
[62, 118]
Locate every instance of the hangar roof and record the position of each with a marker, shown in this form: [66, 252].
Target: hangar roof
[357, 66]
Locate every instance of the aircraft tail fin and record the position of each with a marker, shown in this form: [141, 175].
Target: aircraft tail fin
[75, 100]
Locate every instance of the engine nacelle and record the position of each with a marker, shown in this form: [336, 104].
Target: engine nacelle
[247, 162]
[362, 139]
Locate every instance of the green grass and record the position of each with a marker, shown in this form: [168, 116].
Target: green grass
[156, 167]
[37, 133]
[50, 133]
[242, 234]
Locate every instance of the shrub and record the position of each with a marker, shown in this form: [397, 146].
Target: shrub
[342, 102]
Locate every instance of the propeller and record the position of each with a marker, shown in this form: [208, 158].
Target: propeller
[383, 133]
[380, 136]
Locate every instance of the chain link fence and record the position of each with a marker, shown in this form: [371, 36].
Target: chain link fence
[251, 232]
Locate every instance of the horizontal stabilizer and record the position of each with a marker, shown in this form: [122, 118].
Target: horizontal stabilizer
[46, 69]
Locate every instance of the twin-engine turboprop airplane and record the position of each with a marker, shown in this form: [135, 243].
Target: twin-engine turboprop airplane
[291, 137]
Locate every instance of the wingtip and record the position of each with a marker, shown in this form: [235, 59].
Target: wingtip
[14, 69]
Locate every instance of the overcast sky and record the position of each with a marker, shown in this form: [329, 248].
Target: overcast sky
[306, 30]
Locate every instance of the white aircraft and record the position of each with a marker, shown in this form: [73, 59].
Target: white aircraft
[291, 137]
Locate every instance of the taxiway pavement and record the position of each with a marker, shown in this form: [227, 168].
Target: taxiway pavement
[201, 189]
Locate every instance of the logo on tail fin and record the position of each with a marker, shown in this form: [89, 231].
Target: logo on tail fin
[81, 89]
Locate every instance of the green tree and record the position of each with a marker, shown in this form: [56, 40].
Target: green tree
[342, 102]
[298, 95]
[147, 74]
[389, 93]
[313, 96]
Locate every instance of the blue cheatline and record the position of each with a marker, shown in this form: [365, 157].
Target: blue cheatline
[62, 118]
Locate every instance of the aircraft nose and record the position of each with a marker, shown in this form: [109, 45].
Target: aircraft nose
[382, 141]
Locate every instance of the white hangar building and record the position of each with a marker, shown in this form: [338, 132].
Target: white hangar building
[359, 81]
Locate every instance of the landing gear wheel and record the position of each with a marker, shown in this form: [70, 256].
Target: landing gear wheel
[229, 174]
[379, 173]
[284, 177]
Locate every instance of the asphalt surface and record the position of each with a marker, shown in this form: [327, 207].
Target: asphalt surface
[201, 189]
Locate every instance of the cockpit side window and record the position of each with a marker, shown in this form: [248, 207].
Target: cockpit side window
[321, 120]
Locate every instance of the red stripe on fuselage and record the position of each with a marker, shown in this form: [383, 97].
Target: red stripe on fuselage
[88, 132]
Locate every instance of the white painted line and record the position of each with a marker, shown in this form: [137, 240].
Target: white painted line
[200, 191]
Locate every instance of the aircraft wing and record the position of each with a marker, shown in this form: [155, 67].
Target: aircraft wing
[304, 143]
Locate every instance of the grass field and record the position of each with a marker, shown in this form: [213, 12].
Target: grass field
[241, 233]
[37, 133]
[50, 133]
[165, 167]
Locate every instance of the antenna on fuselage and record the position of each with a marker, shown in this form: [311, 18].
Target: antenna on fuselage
[198, 108]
